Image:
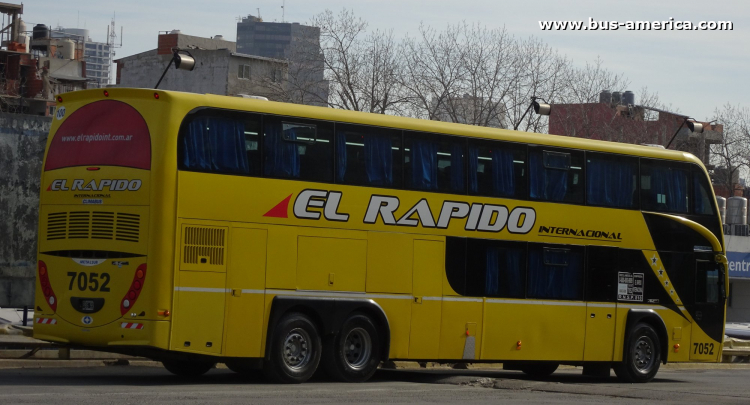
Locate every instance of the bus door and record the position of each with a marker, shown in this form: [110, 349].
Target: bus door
[708, 308]
[603, 265]
[427, 289]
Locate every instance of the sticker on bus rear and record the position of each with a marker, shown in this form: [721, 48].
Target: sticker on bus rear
[103, 133]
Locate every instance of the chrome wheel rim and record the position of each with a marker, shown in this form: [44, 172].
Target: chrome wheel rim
[357, 348]
[297, 351]
[643, 355]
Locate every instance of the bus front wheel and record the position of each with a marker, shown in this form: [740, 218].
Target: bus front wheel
[187, 368]
[294, 350]
[642, 356]
[353, 354]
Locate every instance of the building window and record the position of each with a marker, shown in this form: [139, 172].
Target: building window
[244, 72]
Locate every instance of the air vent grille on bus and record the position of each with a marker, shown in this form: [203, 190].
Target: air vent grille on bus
[93, 225]
[204, 245]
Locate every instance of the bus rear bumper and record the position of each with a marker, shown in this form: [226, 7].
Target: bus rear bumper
[123, 332]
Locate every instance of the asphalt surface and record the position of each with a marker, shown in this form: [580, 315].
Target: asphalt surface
[144, 385]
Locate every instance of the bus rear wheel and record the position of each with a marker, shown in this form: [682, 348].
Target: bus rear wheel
[642, 356]
[294, 350]
[353, 354]
[187, 368]
[539, 370]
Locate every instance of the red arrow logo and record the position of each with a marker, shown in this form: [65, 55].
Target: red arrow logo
[280, 210]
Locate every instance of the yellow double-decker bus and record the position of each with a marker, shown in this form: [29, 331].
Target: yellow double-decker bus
[197, 229]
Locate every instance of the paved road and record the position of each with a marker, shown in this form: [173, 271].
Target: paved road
[149, 385]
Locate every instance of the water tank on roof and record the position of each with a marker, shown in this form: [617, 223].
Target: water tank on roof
[20, 30]
[66, 49]
[722, 203]
[176, 32]
[616, 98]
[628, 98]
[221, 37]
[605, 97]
[40, 31]
[737, 210]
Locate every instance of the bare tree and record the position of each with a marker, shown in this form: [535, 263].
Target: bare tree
[432, 70]
[542, 72]
[362, 69]
[731, 156]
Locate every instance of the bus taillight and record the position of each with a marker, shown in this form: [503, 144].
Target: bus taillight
[49, 294]
[135, 289]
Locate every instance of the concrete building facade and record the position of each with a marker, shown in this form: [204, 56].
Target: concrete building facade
[218, 70]
[296, 43]
[22, 141]
[97, 55]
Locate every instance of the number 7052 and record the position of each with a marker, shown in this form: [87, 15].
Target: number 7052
[89, 281]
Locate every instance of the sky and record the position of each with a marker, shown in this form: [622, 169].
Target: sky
[693, 72]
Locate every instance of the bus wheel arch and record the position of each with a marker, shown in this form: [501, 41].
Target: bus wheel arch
[651, 318]
[329, 315]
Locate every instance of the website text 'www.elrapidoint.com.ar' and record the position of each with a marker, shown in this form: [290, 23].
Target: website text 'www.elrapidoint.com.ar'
[667, 25]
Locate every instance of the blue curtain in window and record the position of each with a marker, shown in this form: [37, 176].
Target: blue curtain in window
[672, 183]
[457, 167]
[282, 156]
[340, 157]
[379, 160]
[546, 184]
[555, 281]
[215, 144]
[609, 183]
[503, 178]
[504, 273]
[698, 193]
[424, 166]
[473, 168]
[491, 282]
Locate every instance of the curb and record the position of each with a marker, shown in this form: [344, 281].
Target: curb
[14, 363]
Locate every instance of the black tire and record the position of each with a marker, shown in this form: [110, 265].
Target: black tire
[294, 350]
[187, 368]
[353, 353]
[642, 355]
[539, 370]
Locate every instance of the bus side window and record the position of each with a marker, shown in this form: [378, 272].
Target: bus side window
[434, 163]
[298, 149]
[703, 202]
[611, 180]
[497, 169]
[220, 143]
[555, 273]
[368, 156]
[495, 268]
[485, 267]
[664, 186]
[556, 175]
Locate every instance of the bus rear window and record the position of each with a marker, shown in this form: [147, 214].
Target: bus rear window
[106, 133]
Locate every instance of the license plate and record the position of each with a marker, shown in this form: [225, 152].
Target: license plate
[87, 305]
